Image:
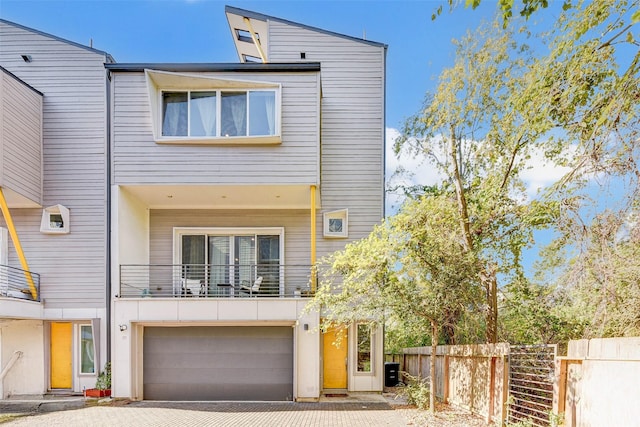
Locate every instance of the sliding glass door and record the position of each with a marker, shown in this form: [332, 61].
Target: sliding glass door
[232, 260]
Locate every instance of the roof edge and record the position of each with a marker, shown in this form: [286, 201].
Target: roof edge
[219, 67]
[261, 16]
[19, 80]
[60, 39]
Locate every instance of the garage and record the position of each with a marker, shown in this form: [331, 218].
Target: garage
[218, 363]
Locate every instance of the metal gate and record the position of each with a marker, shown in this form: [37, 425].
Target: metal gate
[531, 373]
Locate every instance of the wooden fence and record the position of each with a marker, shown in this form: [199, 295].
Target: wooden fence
[473, 377]
[596, 384]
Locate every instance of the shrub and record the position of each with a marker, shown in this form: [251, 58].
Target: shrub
[417, 392]
[103, 382]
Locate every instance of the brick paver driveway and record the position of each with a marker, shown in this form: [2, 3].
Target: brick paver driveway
[260, 414]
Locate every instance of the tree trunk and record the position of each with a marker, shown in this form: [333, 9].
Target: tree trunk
[432, 369]
[491, 286]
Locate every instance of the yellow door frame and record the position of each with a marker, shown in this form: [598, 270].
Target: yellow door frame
[334, 359]
[61, 355]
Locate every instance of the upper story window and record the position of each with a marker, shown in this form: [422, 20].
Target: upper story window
[203, 109]
[219, 113]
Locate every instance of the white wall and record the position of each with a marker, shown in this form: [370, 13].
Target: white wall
[366, 381]
[27, 377]
[130, 233]
[135, 314]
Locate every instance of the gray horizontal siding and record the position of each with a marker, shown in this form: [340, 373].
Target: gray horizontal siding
[20, 138]
[72, 80]
[295, 223]
[139, 160]
[352, 136]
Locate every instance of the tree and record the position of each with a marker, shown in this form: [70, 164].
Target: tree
[589, 88]
[409, 270]
[582, 98]
[472, 131]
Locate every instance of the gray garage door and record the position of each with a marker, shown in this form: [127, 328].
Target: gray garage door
[218, 363]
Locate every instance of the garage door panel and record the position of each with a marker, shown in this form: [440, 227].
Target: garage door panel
[231, 391]
[218, 363]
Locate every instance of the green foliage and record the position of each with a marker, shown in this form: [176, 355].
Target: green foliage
[103, 381]
[536, 314]
[527, 7]
[577, 103]
[417, 393]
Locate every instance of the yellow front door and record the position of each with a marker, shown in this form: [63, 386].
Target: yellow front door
[61, 360]
[335, 359]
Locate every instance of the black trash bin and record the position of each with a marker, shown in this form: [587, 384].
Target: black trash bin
[391, 374]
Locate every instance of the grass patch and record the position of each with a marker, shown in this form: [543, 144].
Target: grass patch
[5, 418]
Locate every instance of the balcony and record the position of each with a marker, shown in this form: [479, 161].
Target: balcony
[215, 281]
[19, 284]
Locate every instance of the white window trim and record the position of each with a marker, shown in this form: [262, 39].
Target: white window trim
[338, 214]
[79, 350]
[372, 355]
[178, 232]
[45, 223]
[162, 81]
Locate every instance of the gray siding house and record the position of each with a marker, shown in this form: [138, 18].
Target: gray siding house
[53, 263]
[222, 185]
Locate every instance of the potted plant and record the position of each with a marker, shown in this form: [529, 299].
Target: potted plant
[103, 384]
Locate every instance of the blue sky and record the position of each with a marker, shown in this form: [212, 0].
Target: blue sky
[197, 31]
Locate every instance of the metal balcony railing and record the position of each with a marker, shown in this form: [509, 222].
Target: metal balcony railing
[16, 283]
[215, 281]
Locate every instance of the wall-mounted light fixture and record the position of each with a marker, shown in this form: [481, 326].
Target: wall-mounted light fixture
[123, 328]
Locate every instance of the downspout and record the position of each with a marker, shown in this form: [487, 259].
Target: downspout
[17, 245]
[313, 238]
[108, 212]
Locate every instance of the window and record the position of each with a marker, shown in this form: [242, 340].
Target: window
[245, 36]
[335, 223]
[233, 257]
[219, 113]
[55, 220]
[363, 337]
[87, 360]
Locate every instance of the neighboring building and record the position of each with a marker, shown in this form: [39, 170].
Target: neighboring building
[227, 182]
[53, 145]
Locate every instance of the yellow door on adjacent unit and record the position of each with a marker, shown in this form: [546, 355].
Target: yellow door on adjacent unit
[334, 367]
[61, 355]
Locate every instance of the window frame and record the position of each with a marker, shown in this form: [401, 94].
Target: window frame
[343, 215]
[178, 232]
[357, 370]
[219, 96]
[80, 352]
[158, 81]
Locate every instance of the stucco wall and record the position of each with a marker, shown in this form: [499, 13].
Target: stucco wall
[27, 376]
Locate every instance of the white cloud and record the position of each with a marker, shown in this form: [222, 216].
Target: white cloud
[540, 172]
[418, 171]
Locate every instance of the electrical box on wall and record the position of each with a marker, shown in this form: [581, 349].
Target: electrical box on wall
[55, 220]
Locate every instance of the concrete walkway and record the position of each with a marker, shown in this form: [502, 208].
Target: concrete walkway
[361, 410]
